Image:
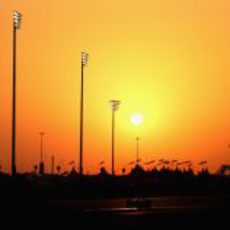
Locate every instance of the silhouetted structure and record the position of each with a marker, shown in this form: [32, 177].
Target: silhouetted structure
[41, 168]
[137, 170]
[115, 105]
[73, 172]
[84, 60]
[137, 150]
[103, 172]
[41, 164]
[16, 25]
[58, 169]
[52, 164]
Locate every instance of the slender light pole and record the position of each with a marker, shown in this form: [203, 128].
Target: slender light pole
[52, 165]
[41, 165]
[137, 119]
[115, 104]
[84, 60]
[137, 150]
[16, 25]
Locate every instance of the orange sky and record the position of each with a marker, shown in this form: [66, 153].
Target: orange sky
[168, 60]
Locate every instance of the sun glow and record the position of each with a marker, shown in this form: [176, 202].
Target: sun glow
[136, 119]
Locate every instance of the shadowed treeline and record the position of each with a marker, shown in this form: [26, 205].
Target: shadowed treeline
[138, 182]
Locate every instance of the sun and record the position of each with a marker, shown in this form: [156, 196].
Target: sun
[136, 119]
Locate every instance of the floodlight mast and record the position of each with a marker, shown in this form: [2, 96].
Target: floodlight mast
[84, 61]
[16, 25]
[115, 105]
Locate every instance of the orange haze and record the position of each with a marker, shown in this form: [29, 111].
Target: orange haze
[168, 60]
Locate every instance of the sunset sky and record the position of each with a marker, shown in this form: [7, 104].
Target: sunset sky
[165, 59]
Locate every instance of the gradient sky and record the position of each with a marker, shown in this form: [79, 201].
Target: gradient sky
[166, 59]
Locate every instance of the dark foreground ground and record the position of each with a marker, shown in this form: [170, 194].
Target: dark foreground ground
[180, 200]
[183, 212]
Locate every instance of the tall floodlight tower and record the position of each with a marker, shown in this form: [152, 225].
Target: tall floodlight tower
[16, 25]
[84, 61]
[115, 105]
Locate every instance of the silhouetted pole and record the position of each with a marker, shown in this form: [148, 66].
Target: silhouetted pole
[84, 59]
[137, 149]
[52, 165]
[41, 165]
[41, 145]
[115, 104]
[16, 26]
[112, 142]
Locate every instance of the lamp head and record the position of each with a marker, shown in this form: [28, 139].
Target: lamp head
[115, 104]
[17, 19]
[41, 133]
[84, 58]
